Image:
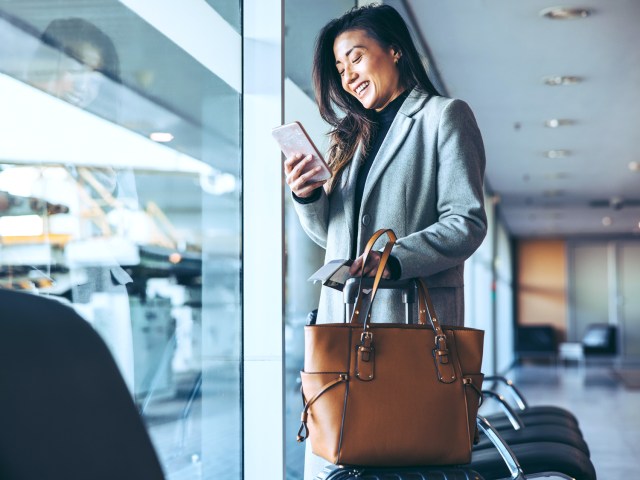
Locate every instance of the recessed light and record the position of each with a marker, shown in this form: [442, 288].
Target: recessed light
[606, 221]
[162, 137]
[564, 13]
[634, 166]
[558, 122]
[555, 80]
[559, 153]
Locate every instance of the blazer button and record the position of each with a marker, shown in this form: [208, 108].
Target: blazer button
[366, 219]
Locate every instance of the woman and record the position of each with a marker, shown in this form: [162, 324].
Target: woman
[402, 157]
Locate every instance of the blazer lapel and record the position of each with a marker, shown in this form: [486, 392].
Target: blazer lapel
[348, 190]
[395, 136]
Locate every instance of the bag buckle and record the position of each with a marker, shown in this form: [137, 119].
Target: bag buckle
[365, 357]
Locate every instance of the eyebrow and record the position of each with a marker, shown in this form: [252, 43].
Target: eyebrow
[351, 50]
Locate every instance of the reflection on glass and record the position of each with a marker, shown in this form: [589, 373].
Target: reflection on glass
[72, 61]
[141, 238]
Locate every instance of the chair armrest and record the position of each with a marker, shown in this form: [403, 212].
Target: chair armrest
[513, 390]
[511, 414]
[503, 449]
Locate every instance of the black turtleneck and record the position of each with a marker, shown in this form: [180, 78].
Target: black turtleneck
[383, 121]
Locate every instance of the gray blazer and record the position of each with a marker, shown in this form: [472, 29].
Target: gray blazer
[426, 185]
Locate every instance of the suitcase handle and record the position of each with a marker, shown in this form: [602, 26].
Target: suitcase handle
[352, 286]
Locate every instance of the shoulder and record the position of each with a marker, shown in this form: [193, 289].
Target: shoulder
[443, 107]
[438, 112]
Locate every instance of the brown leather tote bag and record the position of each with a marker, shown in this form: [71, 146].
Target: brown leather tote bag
[389, 394]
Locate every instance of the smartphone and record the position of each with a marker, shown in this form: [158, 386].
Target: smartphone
[293, 139]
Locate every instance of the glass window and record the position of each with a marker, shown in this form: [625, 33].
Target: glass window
[120, 195]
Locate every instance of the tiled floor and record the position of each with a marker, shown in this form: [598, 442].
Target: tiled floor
[609, 413]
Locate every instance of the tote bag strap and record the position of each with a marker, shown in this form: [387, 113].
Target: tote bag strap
[425, 305]
[383, 263]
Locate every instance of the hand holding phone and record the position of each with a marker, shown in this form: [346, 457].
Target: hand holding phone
[308, 170]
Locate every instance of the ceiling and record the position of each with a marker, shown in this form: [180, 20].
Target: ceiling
[495, 54]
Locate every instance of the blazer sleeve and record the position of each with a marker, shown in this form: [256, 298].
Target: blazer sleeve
[462, 222]
[314, 218]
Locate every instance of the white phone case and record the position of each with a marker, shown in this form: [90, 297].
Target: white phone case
[293, 139]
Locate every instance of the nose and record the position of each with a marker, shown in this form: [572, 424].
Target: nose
[350, 75]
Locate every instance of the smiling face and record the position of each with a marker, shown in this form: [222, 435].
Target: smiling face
[367, 70]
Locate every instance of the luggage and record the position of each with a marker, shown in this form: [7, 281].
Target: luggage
[388, 394]
[408, 473]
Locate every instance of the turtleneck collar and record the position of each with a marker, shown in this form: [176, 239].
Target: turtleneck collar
[386, 115]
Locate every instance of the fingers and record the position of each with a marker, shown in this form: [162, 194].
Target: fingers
[298, 181]
[308, 189]
[291, 162]
[356, 266]
[370, 268]
[293, 166]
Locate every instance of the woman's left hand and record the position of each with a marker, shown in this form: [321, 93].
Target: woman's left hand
[371, 267]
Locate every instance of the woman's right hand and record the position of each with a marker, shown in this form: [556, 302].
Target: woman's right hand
[299, 182]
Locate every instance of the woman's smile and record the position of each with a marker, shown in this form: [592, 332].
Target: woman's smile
[367, 70]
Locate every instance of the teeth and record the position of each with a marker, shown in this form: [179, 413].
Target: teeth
[361, 87]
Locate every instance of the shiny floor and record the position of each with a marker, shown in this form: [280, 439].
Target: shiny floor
[608, 412]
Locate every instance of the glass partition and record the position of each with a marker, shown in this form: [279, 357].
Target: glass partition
[120, 184]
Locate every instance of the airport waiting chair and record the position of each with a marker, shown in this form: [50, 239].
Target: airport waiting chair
[600, 340]
[65, 411]
[523, 407]
[529, 460]
[556, 429]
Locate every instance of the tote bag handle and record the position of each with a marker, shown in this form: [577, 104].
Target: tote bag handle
[425, 305]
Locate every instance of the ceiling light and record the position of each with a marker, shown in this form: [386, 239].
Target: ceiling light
[564, 13]
[634, 166]
[162, 137]
[558, 122]
[559, 153]
[554, 80]
[606, 221]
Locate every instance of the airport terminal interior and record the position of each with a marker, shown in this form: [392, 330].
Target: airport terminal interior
[140, 186]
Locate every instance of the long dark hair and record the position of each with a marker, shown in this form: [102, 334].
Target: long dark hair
[383, 24]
